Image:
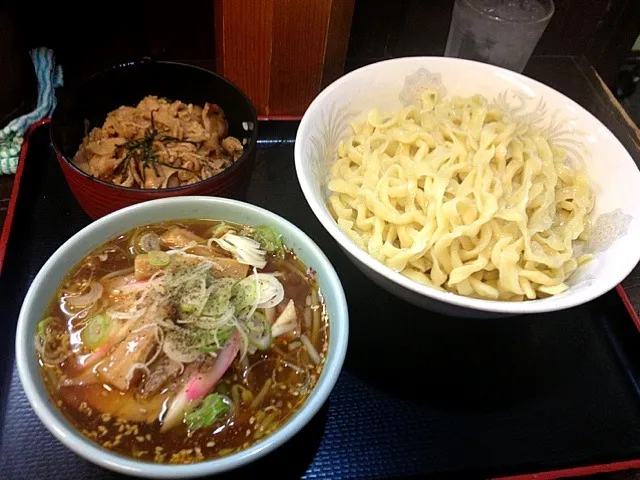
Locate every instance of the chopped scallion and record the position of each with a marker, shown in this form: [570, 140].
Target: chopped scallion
[158, 258]
[260, 331]
[96, 331]
[270, 239]
[42, 326]
[212, 409]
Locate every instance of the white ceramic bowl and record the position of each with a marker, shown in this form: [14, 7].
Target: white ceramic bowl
[392, 84]
[48, 279]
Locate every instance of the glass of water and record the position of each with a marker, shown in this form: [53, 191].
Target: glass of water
[500, 32]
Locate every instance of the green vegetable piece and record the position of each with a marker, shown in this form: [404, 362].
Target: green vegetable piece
[158, 258]
[42, 326]
[244, 294]
[186, 308]
[212, 409]
[270, 239]
[96, 331]
[209, 341]
[218, 302]
[260, 331]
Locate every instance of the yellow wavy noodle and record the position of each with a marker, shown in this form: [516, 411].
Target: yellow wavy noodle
[458, 197]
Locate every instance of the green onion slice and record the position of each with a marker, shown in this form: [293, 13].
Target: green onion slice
[259, 334]
[270, 239]
[158, 258]
[96, 331]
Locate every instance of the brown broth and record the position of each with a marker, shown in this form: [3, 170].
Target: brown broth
[92, 409]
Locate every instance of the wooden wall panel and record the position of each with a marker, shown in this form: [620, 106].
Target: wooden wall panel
[282, 52]
[243, 50]
[338, 33]
[299, 40]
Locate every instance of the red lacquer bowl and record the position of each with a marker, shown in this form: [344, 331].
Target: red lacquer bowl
[87, 106]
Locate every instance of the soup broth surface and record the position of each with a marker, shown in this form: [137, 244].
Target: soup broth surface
[137, 352]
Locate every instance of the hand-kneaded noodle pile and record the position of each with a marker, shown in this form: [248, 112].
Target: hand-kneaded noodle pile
[459, 197]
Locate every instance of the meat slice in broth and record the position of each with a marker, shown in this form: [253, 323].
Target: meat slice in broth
[160, 373]
[178, 237]
[119, 368]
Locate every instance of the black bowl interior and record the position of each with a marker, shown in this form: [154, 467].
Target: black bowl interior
[86, 106]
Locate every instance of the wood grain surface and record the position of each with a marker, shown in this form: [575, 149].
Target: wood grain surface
[282, 52]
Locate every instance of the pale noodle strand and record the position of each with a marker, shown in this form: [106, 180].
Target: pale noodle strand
[458, 197]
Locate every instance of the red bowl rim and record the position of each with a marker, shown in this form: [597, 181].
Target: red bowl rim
[246, 154]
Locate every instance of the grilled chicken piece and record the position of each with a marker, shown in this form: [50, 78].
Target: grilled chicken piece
[135, 145]
[118, 368]
[214, 121]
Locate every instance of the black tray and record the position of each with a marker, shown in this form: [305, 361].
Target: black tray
[421, 394]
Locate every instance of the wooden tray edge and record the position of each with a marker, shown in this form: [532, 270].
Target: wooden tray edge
[15, 189]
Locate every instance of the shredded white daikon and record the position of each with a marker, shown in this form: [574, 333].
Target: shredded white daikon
[130, 315]
[311, 350]
[271, 290]
[89, 298]
[245, 250]
[286, 322]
